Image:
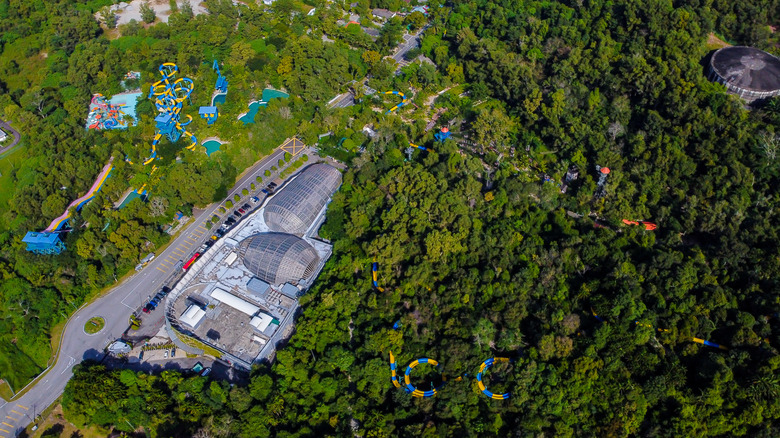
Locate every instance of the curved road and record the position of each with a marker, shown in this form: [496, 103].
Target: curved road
[116, 307]
[8, 129]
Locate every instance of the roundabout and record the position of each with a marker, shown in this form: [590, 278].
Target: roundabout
[94, 325]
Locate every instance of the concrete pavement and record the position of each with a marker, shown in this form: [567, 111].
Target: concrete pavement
[115, 307]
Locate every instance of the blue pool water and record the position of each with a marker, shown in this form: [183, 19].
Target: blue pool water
[211, 146]
[268, 94]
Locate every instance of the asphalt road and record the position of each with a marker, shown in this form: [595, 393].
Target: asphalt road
[115, 307]
[9, 130]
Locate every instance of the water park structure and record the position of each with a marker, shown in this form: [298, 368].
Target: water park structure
[402, 103]
[484, 367]
[111, 113]
[648, 225]
[169, 95]
[374, 267]
[48, 241]
[442, 135]
[268, 94]
[660, 330]
[415, 392]
[211, 113]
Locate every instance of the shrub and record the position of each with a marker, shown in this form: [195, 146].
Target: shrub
[305, 158]
[229, 203]
[281, 163]
[287, 156]
[274, 168]
[252, 186]
[222, 209]
[259, 179]
[245, 192]
[215, 218]
[267, 173]
[237, 197]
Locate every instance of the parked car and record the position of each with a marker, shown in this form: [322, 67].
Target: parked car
[246, 207]
[166, 354]
[237, 214]
[242, 211]
[165, 289]
[265, 191]
[179, 264]
[219, 233]
[148, 308]
[206, 372]
[255, 199]
[141, 355]
[230, 221]
[214, 237]
[272, 185]
[159, 297]
[173, 352]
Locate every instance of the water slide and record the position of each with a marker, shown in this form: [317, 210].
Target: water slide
[57, 223]
[660, 330]
[484, 367]
[374, 267]
[403, 100]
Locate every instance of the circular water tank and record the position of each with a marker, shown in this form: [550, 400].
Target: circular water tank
[750, 73]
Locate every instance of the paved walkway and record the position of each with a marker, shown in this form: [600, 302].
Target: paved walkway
[9, 130]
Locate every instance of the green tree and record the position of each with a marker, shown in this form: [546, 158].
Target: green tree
[147, 13]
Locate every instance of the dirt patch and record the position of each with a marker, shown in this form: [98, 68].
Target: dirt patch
[713, 42]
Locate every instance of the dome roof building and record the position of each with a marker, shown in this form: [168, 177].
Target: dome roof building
[278, 258]
[294, 208]
[750, 73]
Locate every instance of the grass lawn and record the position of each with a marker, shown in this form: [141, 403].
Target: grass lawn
[5, 390]
[54, 420]
[94, 325]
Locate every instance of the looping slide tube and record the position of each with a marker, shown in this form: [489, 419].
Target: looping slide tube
[407, 386]
[422, 148]
[411, 388]
[484, 367]
[403, 100]
[374, 267]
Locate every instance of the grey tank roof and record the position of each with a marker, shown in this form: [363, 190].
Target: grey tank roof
[747, 68]
[278, 258]
[295, 207]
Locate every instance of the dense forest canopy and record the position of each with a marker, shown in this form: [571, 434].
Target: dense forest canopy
[478, 256]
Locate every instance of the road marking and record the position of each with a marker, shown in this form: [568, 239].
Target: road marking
[15, 419]
[25, 408]
[9, 425]
[161, 270]
[3, 430]
[17, 413]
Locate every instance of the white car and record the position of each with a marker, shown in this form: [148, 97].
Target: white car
[166, 354]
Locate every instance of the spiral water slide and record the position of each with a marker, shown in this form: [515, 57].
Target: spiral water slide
[169, 96]
[57, 223]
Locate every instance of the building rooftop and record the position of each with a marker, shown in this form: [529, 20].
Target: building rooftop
[383, 13]
[294, 208]
[278, 258]
[747, 68]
